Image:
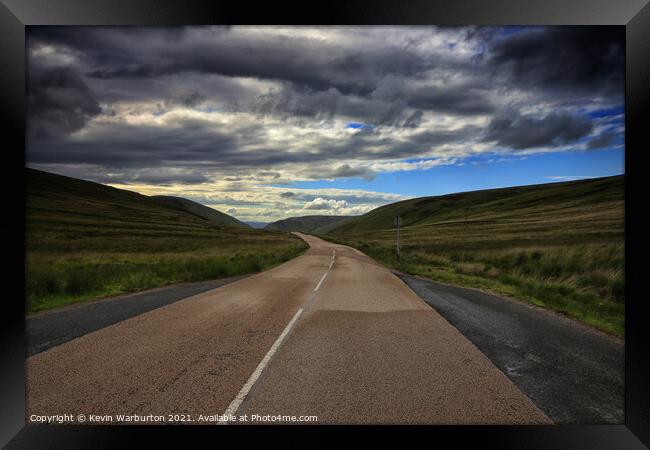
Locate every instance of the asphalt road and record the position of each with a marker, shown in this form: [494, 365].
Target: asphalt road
[330, 333]
[572, 373]
[50, 328]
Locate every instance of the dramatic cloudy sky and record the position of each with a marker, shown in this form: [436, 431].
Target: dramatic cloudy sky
[270, 122]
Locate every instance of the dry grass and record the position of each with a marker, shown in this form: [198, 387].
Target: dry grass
[560, 246]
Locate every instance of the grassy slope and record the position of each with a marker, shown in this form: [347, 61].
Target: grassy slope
[86, 240]
[557, 245]
[199, 210]
[308, 224]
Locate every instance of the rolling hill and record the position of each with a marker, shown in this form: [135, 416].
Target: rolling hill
[558, 245]
[85, 240]
[514, 203]
[308, 224]
[199, 210]
[50, 195]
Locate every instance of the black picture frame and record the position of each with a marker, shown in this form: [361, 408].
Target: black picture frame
[634, 15]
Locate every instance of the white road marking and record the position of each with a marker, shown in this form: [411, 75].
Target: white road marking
[239, 398]
[321, 281]
[234, 405]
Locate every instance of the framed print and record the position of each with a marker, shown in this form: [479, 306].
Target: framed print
[396, 219]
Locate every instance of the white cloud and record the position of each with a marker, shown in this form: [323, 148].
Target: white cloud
[321, 203]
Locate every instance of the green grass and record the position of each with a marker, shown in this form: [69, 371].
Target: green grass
[86, 241]
[560, 246]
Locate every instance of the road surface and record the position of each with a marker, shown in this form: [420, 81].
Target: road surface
[330, 334]
[573, 373]
[47, 329]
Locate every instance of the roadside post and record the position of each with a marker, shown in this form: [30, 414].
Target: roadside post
[398, 222]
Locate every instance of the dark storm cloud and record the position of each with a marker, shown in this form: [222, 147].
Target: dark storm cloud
[310, 63]
[165, 178]
[602, 141]
[99, 173]
[268, 174]
[433, 138]
[193, 144]
[59, 101]
[368, 146]
[318, 73]
[342, 171]
[288, 102]
[524, 132]
[414, 120]
[387, 78]
[465, 100]
[287, 195]
[121, 146]
[585, 58]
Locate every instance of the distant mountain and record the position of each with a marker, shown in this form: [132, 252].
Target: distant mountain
[257, 225]
[308, 224]
[199, 210]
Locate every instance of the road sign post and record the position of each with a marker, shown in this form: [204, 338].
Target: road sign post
[398, 222]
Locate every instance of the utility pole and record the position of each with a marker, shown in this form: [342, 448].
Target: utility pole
[398, 222]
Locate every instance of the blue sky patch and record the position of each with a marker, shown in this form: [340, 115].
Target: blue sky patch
[484, 172]
[616, 111]
[357, 125]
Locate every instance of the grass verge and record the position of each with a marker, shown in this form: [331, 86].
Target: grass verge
[557, 245]
[62, 279]
[582, 281]
[86, 241]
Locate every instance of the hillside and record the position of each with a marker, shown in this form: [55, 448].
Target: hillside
[199, 210]
[510, 204]
[308, 224]
[59, 198]
[86, 240]
[559, 245]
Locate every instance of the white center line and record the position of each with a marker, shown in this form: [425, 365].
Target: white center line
[321, 281]
[239, 398]
[234, 405]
